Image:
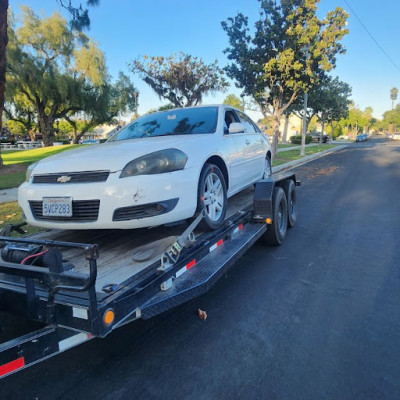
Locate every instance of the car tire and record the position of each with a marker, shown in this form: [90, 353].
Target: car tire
[290, 191]
[276, 232]
[211, 197]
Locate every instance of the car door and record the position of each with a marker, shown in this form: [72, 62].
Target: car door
[235, 152]
[255, 149]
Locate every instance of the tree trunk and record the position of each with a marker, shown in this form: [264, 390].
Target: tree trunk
[31, 134]
[285, 129]
[303, 133]
[331, 135]
[3, 46]
[47, 130]
[322, 132]
[277, 123]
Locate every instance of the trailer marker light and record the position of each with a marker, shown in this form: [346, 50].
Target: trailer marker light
[219, 243]
[190, 265]
[108, 317]
[268, 221]
[12, 366]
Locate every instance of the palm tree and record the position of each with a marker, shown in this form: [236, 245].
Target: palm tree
[393, 95]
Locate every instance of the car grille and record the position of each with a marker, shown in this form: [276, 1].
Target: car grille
[145, 210]
[72, 177]
[82, 211]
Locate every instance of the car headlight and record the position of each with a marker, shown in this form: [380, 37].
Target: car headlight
[158, 162]
[30, 170]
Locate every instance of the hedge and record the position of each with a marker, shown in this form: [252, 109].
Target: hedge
[297, 139]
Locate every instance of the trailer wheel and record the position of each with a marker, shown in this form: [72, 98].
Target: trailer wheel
[212, 197]
[290, 191]
[276, 232]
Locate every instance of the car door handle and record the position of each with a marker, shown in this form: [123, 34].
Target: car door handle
[248, 141]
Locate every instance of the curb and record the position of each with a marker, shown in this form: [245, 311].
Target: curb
[305, 160]
[9, 195]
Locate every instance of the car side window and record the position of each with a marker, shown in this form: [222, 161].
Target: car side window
[230, 116]
[245, 120]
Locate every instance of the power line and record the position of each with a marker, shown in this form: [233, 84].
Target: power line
[372, 37]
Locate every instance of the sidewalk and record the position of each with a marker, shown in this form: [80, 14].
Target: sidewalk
[8, 195]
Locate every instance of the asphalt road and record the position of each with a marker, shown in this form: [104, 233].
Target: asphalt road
[317, 318]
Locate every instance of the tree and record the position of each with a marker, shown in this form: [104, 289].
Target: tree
[183, 80]
[101, 104]
[393, 95]
[329, 102]
[234, 101]
[53, 68]
[80, 16]
[334, 103]
[18, 110]
[290, 50]
[391, 120]
[357, 120]
[80, 20]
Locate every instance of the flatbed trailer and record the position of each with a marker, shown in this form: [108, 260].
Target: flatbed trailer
[79, 285]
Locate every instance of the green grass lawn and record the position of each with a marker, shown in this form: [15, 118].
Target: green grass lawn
[291, 155]
[29, 156]
[12, 180]
[17, 161]
[11, 213]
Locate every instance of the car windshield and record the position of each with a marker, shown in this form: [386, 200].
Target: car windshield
[184, 121]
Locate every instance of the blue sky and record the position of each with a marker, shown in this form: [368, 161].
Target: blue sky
[126, 29]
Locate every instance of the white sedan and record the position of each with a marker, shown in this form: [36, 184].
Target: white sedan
[160, 169]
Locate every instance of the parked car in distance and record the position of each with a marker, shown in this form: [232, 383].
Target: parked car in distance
[315, 137]
[161, 168]
[396, 136]
[362, 137]
[91, 141]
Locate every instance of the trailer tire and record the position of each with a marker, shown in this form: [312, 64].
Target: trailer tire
[212, 199]
[290, 191]
[276, 232]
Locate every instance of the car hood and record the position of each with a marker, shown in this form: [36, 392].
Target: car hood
[114, 156]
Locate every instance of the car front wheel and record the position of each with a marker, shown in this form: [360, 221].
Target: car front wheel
[212, 197]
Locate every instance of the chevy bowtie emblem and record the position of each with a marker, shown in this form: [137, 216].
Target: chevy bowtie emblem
[64, 179]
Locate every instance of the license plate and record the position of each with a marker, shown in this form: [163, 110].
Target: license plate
[57, 206]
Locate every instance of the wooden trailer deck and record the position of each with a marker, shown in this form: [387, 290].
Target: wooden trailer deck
[115, 264]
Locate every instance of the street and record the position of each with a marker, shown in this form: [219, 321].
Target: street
[317, 318]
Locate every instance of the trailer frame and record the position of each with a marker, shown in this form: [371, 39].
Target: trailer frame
[72, 312]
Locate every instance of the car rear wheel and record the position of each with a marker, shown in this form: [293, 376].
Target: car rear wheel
[212, 197]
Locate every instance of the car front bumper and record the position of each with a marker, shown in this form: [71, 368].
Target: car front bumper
[127, 203]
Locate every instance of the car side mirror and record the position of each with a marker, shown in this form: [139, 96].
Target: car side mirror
[236, 127]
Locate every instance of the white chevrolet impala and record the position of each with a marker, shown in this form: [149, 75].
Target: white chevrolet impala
[160, 169]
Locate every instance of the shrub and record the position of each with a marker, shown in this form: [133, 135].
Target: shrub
[297, 139]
